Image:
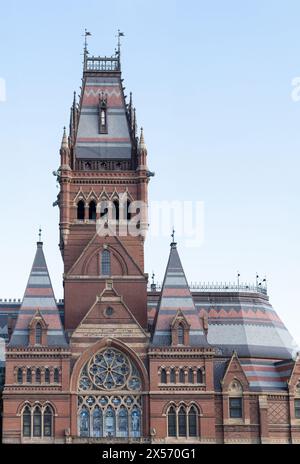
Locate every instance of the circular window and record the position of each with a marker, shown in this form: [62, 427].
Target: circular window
[109, 311]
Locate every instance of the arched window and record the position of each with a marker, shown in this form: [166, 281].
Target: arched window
[109, 422]
[37, 422]
[172, 426]
[28, 375]
[20, 375]
[182, 422]
[47, 375]
[105, 262]
[136, 422]
[163, 376]
[26, 422]
[181, 376]
[123, 422]
[38, 375]
[199, 376]
[38, 334]
[191, 375]
[116, 210]
[92, 211]
[172, 375]
[97, 422]
[56, 375]
[84, 422]
[103, 117]
[192, 417]
[48, 420]
[80, 210]
[180, 335]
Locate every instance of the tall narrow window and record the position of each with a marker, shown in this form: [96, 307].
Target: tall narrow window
[38, 375]
[47, 375]
[38, 334]
[103, 118]
[163, 376]
[84, 422]
[48, 417]
[136, 422]
[192, 417]
[235, 408]
[182, 422]
[181, 376]
[110, 422]
[92, 211]
[20, 375]
[105, 262]
[297, 409]
[28, 375]
[172, 429]
[97, 422]
[180, 334]
[172, 375]
[191, 375]
[123, 422]
[56, 375]
[199, 376]
[80, 210]
[27, 422]
[37, 422]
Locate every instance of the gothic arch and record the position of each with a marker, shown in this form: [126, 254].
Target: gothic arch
[101, 344]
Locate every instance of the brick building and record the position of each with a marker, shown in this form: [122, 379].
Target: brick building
[116, 360]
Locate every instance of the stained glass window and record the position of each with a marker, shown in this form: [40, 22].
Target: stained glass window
[97, 422]
[117, 413]
[84, 422]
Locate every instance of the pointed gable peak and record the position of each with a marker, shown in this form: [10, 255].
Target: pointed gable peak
[38, 302]
[175, 300]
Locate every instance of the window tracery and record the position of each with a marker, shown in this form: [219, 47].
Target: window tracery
[109, 403]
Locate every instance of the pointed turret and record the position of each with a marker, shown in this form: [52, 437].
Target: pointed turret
[39, 299]
[175, 296]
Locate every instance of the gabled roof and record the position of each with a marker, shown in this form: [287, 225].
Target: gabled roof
[176, 295]
[39, 296]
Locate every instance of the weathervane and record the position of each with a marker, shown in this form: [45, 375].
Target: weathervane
[118, 53]
[40, 234]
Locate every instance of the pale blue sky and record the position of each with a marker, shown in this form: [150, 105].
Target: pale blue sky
[212, 85]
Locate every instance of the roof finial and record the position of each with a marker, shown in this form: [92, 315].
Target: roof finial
[173, 243]
[85, 50]
[40, 235]
[120, 34]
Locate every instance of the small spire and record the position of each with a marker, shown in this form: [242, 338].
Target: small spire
[64, 142]
[142, 144]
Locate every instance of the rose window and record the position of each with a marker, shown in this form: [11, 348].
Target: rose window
[109, 370]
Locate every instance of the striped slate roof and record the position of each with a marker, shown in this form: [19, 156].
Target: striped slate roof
[176, 295]
[116, 143]
[39, 296]
[267, 375]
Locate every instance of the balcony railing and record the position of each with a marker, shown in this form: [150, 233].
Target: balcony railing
[97, 63]
[243, 287]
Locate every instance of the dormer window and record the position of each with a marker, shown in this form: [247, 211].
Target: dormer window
[103, 114]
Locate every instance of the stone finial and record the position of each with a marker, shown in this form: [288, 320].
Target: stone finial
[64, 142]
[142, 145]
